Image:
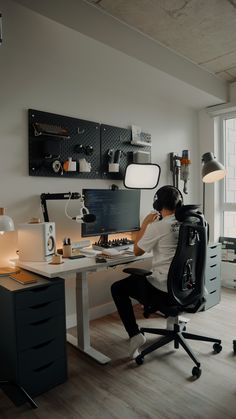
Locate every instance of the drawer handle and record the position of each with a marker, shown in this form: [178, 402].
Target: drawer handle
[212, 292]
[213, 279]
[41, 345]
[39, 305]
[44, 367]
[40, 322]
[212, 266]
[213, 247]
[214, 256]
[40, 289]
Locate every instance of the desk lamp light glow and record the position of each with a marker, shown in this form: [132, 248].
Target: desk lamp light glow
[6, 223]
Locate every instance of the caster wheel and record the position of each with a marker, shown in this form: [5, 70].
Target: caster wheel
[139, 360]
[217, 348]
[234, 346]
[196, 372]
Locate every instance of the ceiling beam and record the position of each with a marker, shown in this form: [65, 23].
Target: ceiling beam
[90, 21]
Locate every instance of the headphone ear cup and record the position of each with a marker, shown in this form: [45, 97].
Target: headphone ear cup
[156, 203]
[181, 201]
[158, 197]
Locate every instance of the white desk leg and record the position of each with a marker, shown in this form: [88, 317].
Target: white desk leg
[82, 341]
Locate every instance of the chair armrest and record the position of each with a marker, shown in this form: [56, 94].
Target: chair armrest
[137, 271]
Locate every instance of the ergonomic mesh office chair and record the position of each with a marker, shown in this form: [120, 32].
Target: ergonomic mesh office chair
[185, 287]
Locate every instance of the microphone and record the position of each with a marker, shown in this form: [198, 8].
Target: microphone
[85, 218]
[89, 218]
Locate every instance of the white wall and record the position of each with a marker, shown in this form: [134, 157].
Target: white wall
[49, 67]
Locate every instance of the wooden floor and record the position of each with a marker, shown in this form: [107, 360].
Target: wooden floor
[161, 388]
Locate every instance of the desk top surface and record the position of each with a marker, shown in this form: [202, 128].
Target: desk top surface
[76, 265]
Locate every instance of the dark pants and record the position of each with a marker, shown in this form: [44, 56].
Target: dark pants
[140, 289]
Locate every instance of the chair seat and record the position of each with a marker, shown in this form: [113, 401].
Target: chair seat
[168, 311]
[137, 271]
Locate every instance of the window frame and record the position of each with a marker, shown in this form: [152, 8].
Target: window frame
[223, 205]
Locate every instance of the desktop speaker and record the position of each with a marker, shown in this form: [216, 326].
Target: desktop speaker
[36, 242]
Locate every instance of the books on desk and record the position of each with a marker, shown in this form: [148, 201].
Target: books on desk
[6, 271]
[24, 278]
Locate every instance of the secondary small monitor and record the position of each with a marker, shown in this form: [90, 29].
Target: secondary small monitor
[116, 211]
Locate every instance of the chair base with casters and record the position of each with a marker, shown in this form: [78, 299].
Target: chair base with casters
[179, 336]
[175, 331]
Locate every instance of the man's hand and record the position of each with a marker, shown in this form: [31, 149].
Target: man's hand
[150, 218]
[147, 220]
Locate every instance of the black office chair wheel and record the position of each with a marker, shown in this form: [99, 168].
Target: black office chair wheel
[217, 348]
[234, 346]
[139, 360]
[196, 372]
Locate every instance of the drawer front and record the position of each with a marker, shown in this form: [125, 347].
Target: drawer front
[35, 333]
[39, 295]
[212, 272]
[213, 283]
[38, 312]
[213, 255]
[212, 299]
[43, 354]
[39, 380]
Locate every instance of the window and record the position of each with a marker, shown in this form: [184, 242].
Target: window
[228, 129]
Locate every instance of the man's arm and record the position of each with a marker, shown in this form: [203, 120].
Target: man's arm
[147, 220]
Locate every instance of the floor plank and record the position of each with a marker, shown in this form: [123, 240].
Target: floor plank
[161, 388]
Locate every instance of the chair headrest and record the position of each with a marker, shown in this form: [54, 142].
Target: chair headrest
[185, 211]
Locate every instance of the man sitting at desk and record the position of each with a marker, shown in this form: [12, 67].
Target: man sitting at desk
[158, 233]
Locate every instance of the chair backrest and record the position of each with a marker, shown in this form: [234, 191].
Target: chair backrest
[186, 273]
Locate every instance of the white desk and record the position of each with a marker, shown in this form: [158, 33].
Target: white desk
[80, 267]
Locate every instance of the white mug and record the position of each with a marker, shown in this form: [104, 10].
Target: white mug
[69, 165]
[84, 165]
[113, 167]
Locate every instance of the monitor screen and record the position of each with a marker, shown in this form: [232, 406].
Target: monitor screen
[116, 211]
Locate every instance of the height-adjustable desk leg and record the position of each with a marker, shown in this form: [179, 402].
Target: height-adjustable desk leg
[82, 342]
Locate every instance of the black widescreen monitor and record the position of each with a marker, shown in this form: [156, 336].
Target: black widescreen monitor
[116, 211]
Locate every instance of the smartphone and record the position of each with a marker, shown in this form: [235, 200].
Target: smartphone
[76, 256]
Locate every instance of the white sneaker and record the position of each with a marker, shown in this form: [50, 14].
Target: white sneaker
[135, 343]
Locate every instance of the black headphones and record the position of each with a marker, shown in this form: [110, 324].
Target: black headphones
[168, 197]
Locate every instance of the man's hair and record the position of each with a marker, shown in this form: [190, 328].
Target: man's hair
[168, 197]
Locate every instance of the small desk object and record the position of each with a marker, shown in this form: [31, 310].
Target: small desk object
[80, 267]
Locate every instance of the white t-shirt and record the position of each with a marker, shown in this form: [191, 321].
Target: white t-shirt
[161, 237]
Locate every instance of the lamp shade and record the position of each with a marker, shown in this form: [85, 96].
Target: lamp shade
[142, 176]
[6, 223]
[212, 170]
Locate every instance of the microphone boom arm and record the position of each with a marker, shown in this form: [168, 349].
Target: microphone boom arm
[44, 197]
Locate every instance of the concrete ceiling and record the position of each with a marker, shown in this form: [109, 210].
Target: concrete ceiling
[203, 31]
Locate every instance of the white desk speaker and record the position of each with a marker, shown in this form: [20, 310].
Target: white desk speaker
[36, 242]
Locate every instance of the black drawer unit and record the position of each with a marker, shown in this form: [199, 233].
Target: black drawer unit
[33, 334]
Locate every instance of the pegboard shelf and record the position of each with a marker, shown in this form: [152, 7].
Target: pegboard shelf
[58, 143]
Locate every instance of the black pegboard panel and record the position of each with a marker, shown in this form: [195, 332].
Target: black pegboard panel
[83, 135]
[118, 139]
